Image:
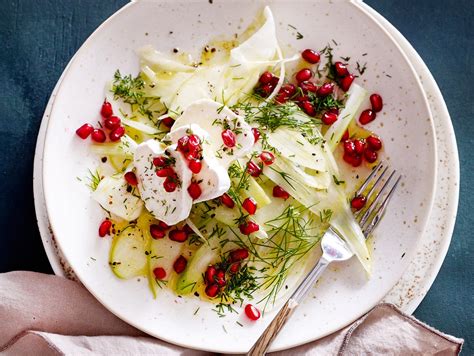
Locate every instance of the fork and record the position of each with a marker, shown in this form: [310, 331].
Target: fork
[335, 249]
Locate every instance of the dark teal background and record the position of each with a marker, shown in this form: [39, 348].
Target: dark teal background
[38, 37]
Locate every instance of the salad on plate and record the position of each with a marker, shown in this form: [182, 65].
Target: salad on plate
[219, 175]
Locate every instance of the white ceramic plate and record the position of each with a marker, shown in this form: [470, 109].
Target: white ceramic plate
[344, 294]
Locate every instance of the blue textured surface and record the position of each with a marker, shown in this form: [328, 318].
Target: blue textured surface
[39, 37]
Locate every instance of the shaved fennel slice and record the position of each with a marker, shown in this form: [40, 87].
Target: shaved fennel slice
[356, 94]
[160, 62]
[149, 130]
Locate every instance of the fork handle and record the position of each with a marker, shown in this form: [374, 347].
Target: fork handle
[263, 343]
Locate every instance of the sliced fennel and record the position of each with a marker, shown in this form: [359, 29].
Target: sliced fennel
[149, 130]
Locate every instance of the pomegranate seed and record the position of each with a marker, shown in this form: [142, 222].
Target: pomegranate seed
[274, 81]
[227, 200]
[267, 158]
[334, 111]
[303, 75]
[157, 232]
[265, 90]
[104, 228]
[169, 185]
[212, 290]
[234, 268]
[178, 235]
[311, 56]
[84, 131]
[289, 89]
[375, 144]
[281, 98]
[220, 278]
[354, 161]
[341, 69]
[302, 98]
[248, 227]
[117, 133]
[239, 255]
[358, 202]
[131, 178]
[265, 78]
[308, 87]
[367, 116]
[168, 122]
[250, 205]
[194, 142]
[349, 148]
[329, 118]
[346, 82]
[308, 108]
[229, 138]
[163, 225]
[159, 161]
[195, 166]
[253, 169]
[159, 273]
[180, 264]
[194, 190]
[183, 144]
[345, 136]
[376, 101]
[210, 274]
[279, 192]
[165, 172]
[370, 156]
[98, 135]
[325, 89]
[112, 122]
[256, 134]
[359, 146]
[252, 312]
[106, 109]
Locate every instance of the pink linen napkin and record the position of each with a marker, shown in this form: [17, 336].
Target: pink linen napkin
[50, 315]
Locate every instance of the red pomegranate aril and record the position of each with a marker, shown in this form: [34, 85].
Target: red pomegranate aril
[253, 169]
[84, 131]
[265, 90]
[345, 136]
[274, 81]
[346, 82]
[288, 88]
[169, 185]
[178, 235]
[301, 99]
[165, 172]
[157, 232]
[159, 273]
[370, 156]
[374, 143]
[168, 122]
[367, 116]
[112, 122]
[104, 228]
[220, 278]
[354, 161]
[131, 178]
[311, 56]
[239, 254]
[267, 158]
[308, 87]
[117, 133]
[234, 268]
[227, 200]
[194, 142]
[281, 98]
[163, 225]
[252, 312]
[256, 134]
[325, 89]
[265, 78]
[159, 161]
[106, 109]
[229, 138]
[195, 166]
[360, 146]
[341, 69]
[303, 75]
[329, 118]
[376, 102]
[279, 192]
[308, 108]
[358, 202]
[210, 275]
[183, 144]
[194, 190]
[98, 135]
[180, 264]
[349, 148]
[248, 227]
[212, 290]
[250, 205]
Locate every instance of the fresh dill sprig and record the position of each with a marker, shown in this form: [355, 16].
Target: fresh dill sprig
[127, 88]
[94, 179]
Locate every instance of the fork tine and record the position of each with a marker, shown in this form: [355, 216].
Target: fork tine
[358, 214]
[369, 178]
[381, 209]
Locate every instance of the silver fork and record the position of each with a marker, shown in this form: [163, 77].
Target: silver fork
[335, 249]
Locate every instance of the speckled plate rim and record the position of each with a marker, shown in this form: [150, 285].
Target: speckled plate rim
[418, 278]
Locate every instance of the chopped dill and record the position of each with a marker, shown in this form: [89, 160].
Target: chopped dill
[94, 179]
